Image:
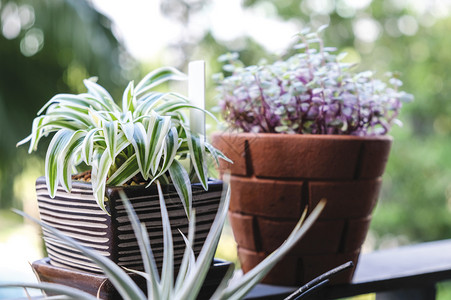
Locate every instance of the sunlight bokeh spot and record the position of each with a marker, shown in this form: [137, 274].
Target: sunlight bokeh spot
[366, 29]
[26, 16]
[32, 42]
[10, 21]
[408, 25]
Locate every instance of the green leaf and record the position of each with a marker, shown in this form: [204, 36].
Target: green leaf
[79, 119]
[170, 148]
[145, 104]
[99, 174]
[142, 236]
[100, 93]
[189, 259]
[52, 124]
[216, 154]
[141, 147]
[128, 98]
[53, 288]
[88, 146]
[66, 99]
[96, 118]
[237, 290]
[148, 144]
[167, 271]
[67, 157]
[125, 172]
[35, 136]
[128, 128]
[176, 102]
[193, 282]
[110, 116]
[182, 184]
[24, 141]
[156, 135]
[196, 147]
[58, 143]
[157, 77]
[110, 131]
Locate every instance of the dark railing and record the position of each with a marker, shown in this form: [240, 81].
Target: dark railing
[408, 272]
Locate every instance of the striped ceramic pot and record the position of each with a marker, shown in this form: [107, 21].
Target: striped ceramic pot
[77, 215]
[274, 177]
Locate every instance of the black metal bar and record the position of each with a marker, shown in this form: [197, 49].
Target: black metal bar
[318, 281]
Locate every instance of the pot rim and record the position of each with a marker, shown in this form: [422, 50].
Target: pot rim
[85, 184]
[304, 136]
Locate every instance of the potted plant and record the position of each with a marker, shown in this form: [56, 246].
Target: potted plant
[125, 149]
[191, 281]
[303, 129]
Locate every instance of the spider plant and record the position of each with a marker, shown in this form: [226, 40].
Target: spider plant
[192, 272]
[147, 135]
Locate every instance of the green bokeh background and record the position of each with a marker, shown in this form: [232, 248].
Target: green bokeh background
[60, 42]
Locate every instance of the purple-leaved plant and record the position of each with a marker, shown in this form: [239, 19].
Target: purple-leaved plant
[311, 92]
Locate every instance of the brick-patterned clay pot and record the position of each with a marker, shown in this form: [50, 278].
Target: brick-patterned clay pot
[77, 215]
[275, 176]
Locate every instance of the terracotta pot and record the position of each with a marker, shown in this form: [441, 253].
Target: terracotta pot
[275, 176]
[99, 284]
[77, 215]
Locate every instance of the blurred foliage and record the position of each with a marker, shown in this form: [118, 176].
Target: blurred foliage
[59, 42]
[48, 47]
[388, 35]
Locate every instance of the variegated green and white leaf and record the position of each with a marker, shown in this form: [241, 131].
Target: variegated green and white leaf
[125, 172]
[35, 136]
[79, 119]
[50, 124]
[193, 282]
[196, 147]
[111, 116]
[58, 143]
[182, 184]
[154, 290]
[145, 104]
[167, 270]
[157, 77]
[88, 146]
[67, 99]
[66, 159]
[96, 103]
[239, 289]
[100, 168]
[217, 154]
[110, 131]
[167, 100]
[170, 148]
[156, 134]
[52, 288]
[189, 259]
[129, 98]
[128, 129]
[141, 147]
[100, 93]
[96, 118]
